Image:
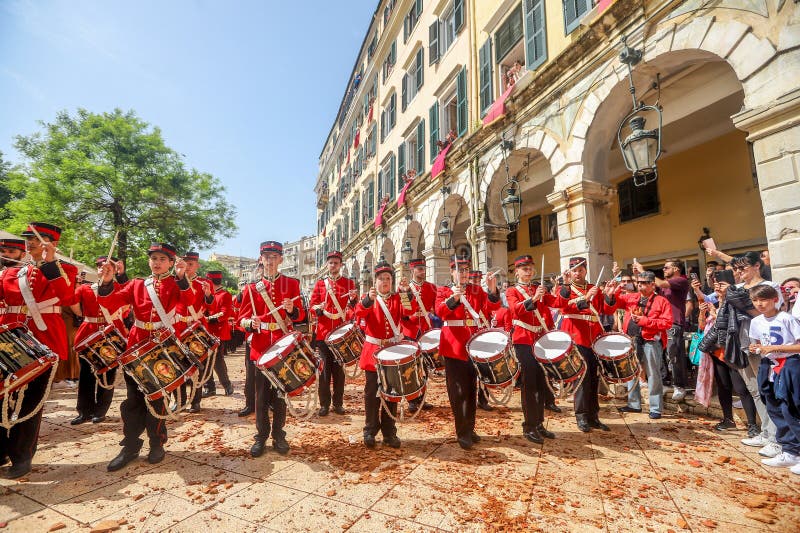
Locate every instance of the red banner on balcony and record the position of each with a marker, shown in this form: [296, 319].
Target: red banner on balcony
[379, 216]
[498, 109]
[438, 163]
[402, 197]
[602, 5]
[357, 139]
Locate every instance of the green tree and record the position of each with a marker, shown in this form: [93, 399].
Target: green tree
[6, 195]
[229, 281]
[94, 174]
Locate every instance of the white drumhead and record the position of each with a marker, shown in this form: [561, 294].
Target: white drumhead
[340, 332]
[553, 344]
[612, 345]
[280, 345]
[430, 339]
[488, 344]
[397, 352]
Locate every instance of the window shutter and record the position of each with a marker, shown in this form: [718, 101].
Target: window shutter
[461, 102]
[419, 8]
[433, 43]
[535, 34]
[485, 66]
[433, 116]
[391, 185]
[392, 112]
[371, 199]
[404, 97]
[573, 11]
[420, 68]
[401, 163]
[383, 125]
[420, 147]
[458, 14]
[380, 186]
[406, 27]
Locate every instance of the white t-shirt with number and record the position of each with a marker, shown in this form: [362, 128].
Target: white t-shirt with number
[782, 329]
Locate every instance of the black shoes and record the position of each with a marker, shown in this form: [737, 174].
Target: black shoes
[485, 406]
[229, 389]
[339, 410]
[596, 424]
[544, 432]
[193, 409]
[552, 407]
[534, 436]
[725, 423]
[80, 419]
[246, 411]
[654, 415]
[209, 392]
[124, 457]
[323, 411]
[281, 446]
[583, 425]
[475, 437]
[18, 470]
[392, 442]
[753, 430]
[626, 409]
[369, 441]
[98, 419]
[156, 455]
[465, 443]
[257, 449]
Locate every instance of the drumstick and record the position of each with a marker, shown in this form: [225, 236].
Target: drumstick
[602, 268]
[495, 273]
[576, 266]
[113, 245]
[36, 232]
[541, 279]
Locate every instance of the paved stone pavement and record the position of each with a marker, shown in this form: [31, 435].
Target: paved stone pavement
[672, 474]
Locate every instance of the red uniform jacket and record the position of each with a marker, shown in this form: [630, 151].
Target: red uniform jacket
[572, 302]
[51, 285]
[278, 289]
[86, 297]
[454, 339]
[330, 319]
[656, 314]
[376, 325]
[524, 313]
[502, 318]
[170, 291]
[194, 310]
[220, 310]
[415, 325]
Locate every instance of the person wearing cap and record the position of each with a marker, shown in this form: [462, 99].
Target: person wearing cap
[531, 318]
[148, 321]
[93, 400]
[11, 252]
[33, 294]
[219, 311]
[581, 303]
[332, 299]
[648, 317]
[415, 325]
[249, 365]
[269, 307]
[380, 331]
[459, 306]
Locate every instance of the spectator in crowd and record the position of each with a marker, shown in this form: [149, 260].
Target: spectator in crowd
[763, 256]
[790, 288]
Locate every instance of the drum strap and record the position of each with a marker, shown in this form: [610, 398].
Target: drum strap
[103, 310]
[30, 300]
[166, 319]
[470, 309]
[418, 298]
[333, 296]
[535, 309]
[262, 290]
[389, 318]
[583, 295]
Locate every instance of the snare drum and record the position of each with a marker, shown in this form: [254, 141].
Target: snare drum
[102, 349]
[429, 346]
[199, 341]
[159, 365]
[560, 357]
[22, 358]
[290, 364]
[401, 372]
[345, 342]
[617, 356]
[492, 354]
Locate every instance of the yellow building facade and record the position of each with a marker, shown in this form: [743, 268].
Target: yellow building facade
[724, 74]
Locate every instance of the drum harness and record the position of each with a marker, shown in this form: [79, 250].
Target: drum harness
[313, 401]
[208, 368]
[341, 315]
[102, 379]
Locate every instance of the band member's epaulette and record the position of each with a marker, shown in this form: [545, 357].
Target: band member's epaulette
[405, 300]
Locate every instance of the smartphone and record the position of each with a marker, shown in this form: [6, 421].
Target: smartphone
[725, 276]
[693, 275]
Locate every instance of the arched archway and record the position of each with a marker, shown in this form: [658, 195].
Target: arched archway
[455, 213]
[387, 251]
[414, 236]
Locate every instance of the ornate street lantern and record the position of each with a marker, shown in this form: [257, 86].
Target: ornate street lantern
[406, 252]
[445, 234]
[511, 201]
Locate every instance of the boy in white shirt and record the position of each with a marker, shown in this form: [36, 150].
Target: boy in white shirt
[775, 335]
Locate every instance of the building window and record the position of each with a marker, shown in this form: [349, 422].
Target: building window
[413, 79]
[411, 19]
[485, 75]
[535, 230]
[387, 181]
[535, 34]
[574, 10]
[453, 107]
[373, 44]
[551, 227]
[391, 59]
[442, 33]
[371, 143]
[636, 202]
[508, 34]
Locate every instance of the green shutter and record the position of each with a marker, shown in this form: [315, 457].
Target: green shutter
[461, 102]
[371, 199]
[380, 186]
[573, 11]
[404, 91]
[420, 68]
[433, 43]
[535, 34]
[458, 14]
[420, 147]
[433, 116]
[485, 71]
[401, 163]
[391, 185]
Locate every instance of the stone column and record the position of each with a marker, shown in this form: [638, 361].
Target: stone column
[584, 225]
[774, 130]
[491, 249]
[438, 266]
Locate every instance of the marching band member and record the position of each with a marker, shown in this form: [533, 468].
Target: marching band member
[153, 301]
[187, 314]
[268, 309]
[332, 300]
[93, 400]
[476, 278]
[580, 303]
[249, 365]
[420, 322]
[531, 318]
[382, 310]
[459, 306]
[33, 294]
[220, 311]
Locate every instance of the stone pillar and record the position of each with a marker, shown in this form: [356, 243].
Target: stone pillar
[774, 130]
[438, 265]
[491, 249]
[584, 225]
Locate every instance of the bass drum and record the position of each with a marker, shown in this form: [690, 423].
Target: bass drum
[22, 358]
[561, 360]
[617, 356]
[401, 372]
[290, 364]
[493, 355]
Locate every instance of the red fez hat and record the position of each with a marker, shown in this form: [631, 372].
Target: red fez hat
[102, 259]
[335, 254]
[383, 266]
[523, 260]
[475, 274]
[215, 276]
[271, 246]
[458, 262]
[191, 255]
[575, 261]
[44, 229]
[163, 248]
[13, 243]
[417, 262]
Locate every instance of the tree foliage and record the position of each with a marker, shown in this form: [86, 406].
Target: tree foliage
[94, 174]
[229, 281]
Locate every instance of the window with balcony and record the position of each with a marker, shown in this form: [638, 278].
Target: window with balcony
[509, 49]
[413, 78]
[389, 117]
[373, 45]
[388, 63]
[411, 154]
[453, 110]
[387, 11]
[411, 19]
[387, 179]
[442, 33]
[574, 10]
[371, 144]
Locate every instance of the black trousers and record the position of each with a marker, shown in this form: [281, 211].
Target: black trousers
[586, 403]
[266, 396]
[533, 388]
[221, 369]
[250, 372]
[462, 391]
[729, 380]
[375, 416]
[332, 372]
[136, 418]
[19, 444]
[94, 400]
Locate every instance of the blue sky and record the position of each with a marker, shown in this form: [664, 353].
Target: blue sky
[246, 90]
